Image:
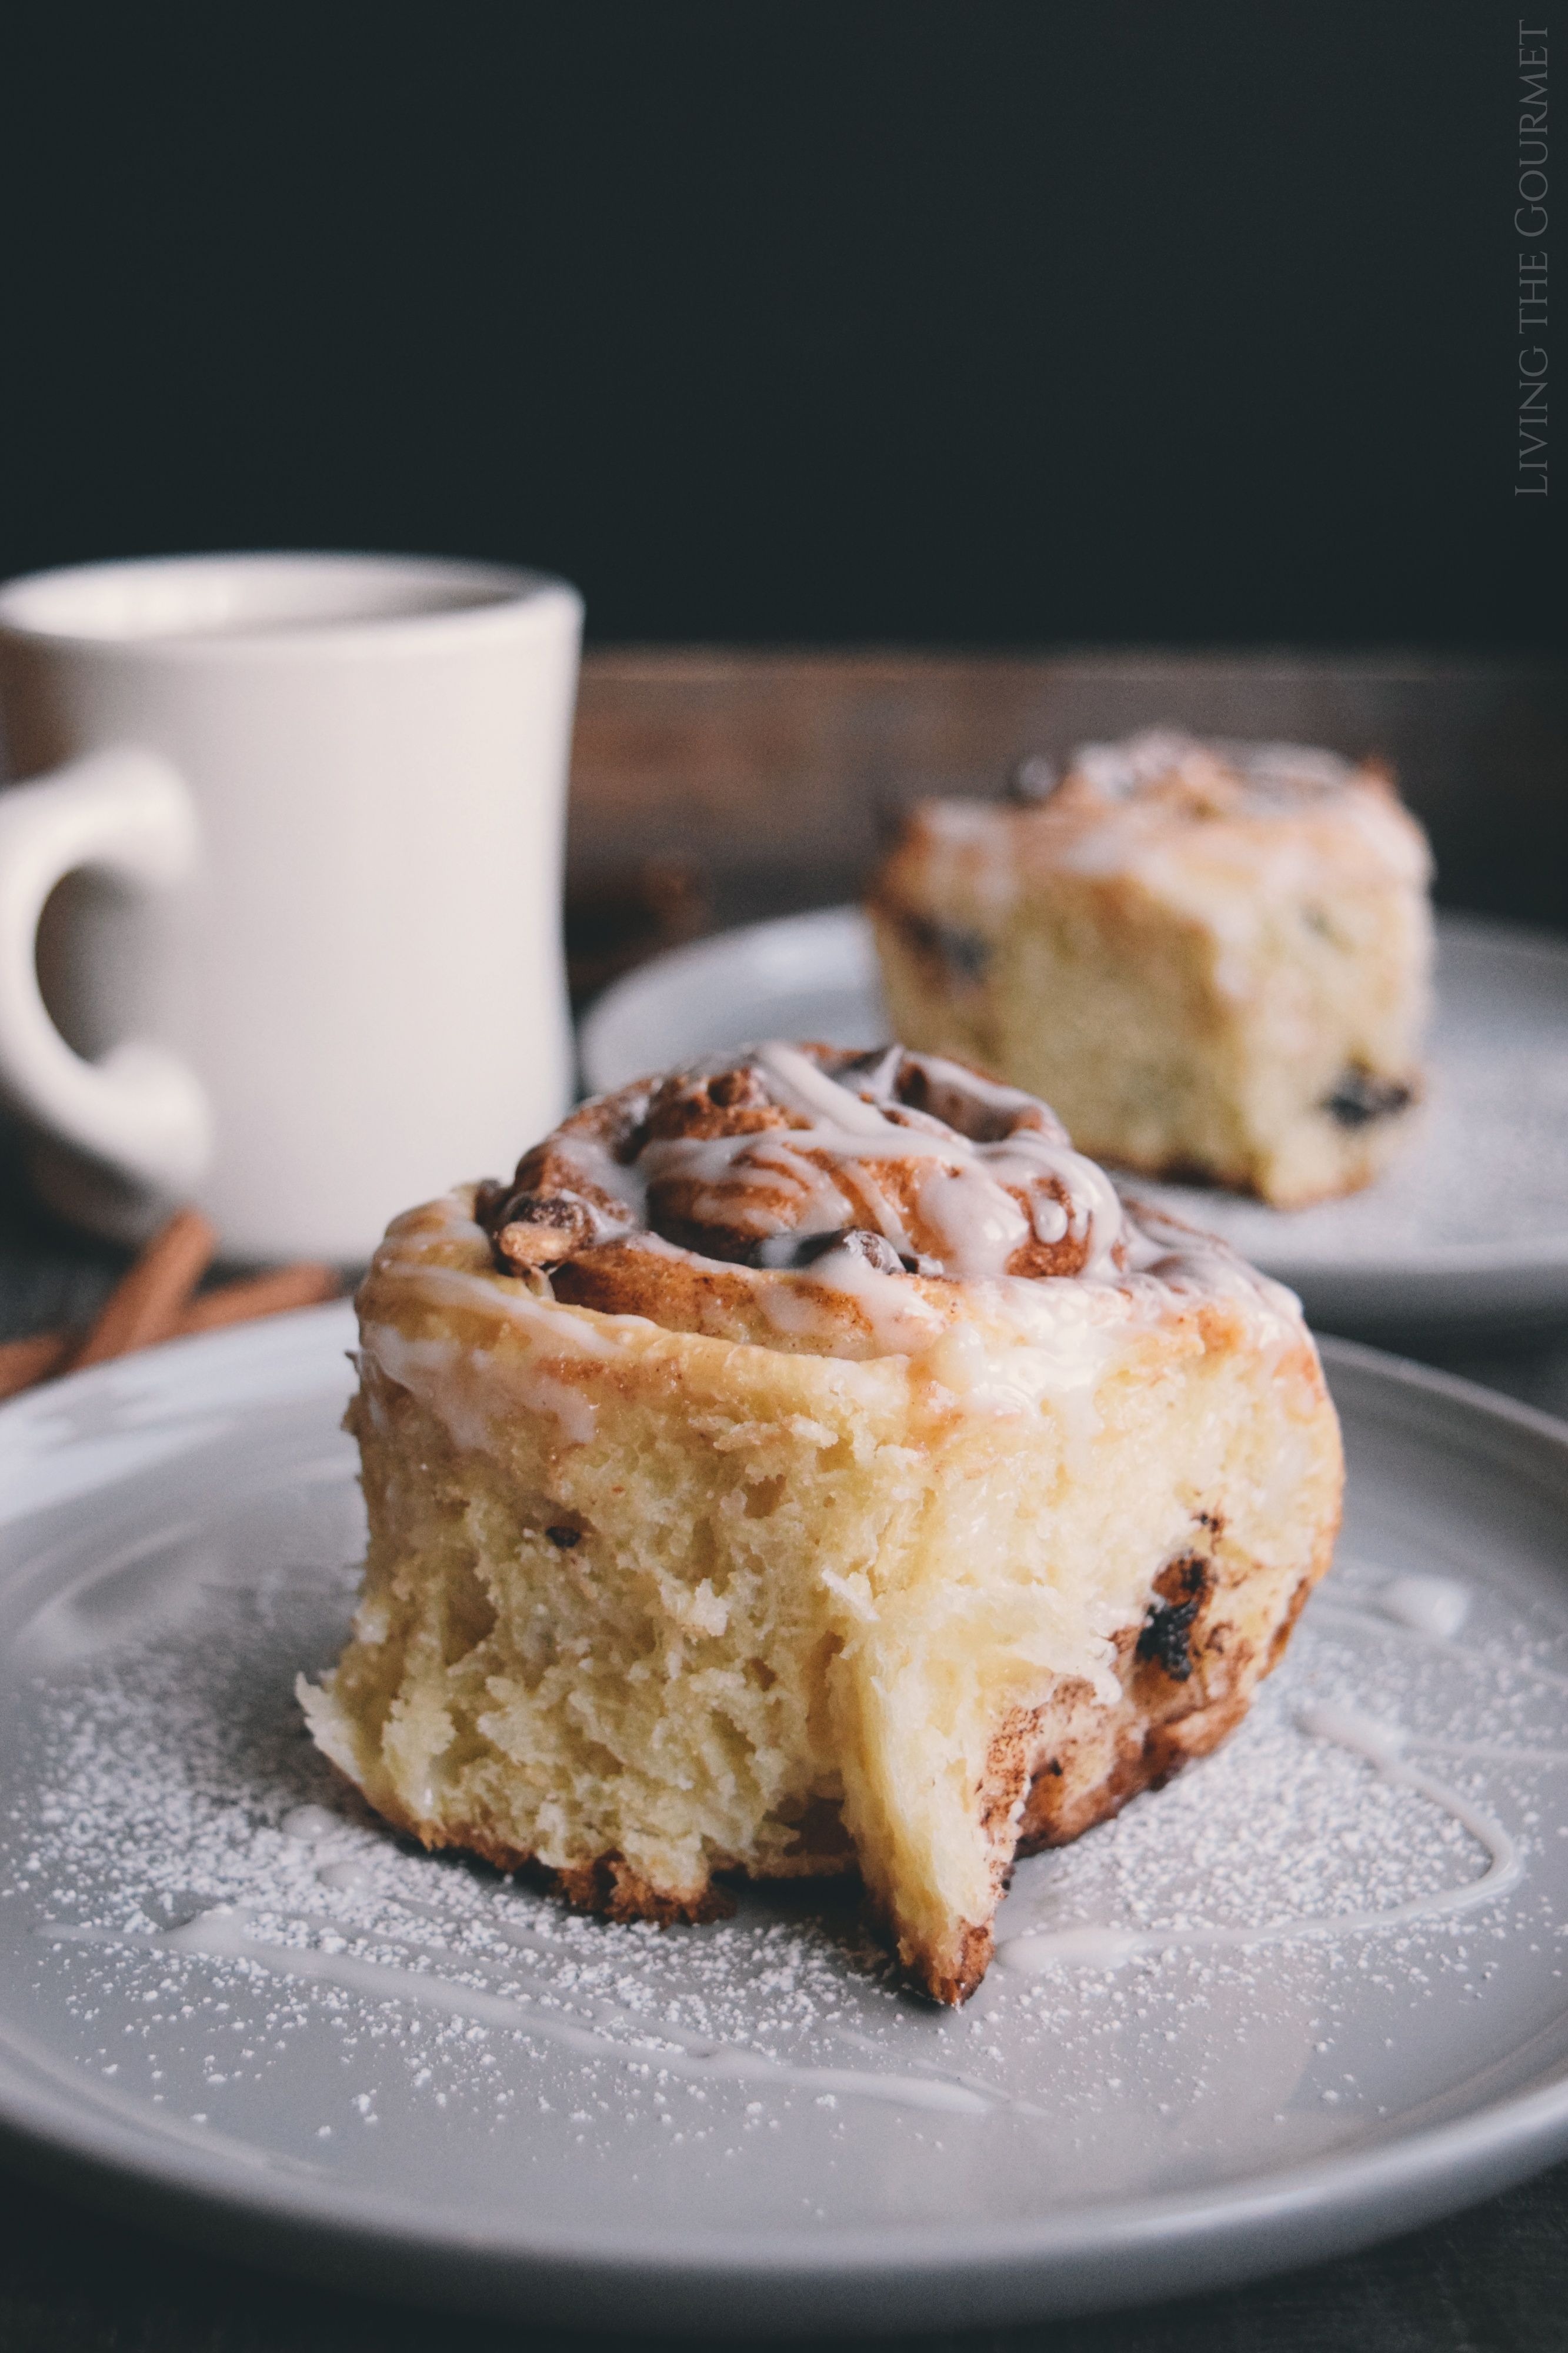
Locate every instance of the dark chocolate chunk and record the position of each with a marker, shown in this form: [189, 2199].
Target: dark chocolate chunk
[1165, 1637]
[787, 1253]
[1360, 1096]
[966, 953]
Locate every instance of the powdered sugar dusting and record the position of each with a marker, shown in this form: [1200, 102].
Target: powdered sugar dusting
[187, 1868]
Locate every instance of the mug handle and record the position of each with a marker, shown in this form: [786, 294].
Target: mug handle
[140, 1111]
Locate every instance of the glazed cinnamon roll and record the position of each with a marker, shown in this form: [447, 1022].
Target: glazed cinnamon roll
[808, 1462]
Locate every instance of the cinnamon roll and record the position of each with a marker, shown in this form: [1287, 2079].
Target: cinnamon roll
[808, 1462]
[1213, 960]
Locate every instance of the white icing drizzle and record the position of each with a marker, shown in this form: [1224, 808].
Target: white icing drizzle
[347, 1878]
[1428, 1610]
[224, 1933]
[454, 1379]
[1029, 1340]
[1383, 1746]
[1116, 770]
[227, 1932]
[1427, 1605]
[1146, 805]
[836, 1153]
[884, 1215]
[309, 1824]
[248, 1934]
[801, 1086]
[974, 1203]
[978, 1226]
[1271, 772]
[902, 1321]
[1290, 764]
[964, 1197]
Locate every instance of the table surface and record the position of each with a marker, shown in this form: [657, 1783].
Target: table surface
[71, 2283]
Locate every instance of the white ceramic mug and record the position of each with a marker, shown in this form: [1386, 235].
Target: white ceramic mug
[306, 815]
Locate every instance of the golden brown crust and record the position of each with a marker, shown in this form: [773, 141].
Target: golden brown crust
[613, 1890]
[971, 1960]
[608, 1887]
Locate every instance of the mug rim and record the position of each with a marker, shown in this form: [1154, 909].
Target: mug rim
[500, 595]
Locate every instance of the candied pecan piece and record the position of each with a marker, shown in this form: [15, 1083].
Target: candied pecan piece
[540, 1229]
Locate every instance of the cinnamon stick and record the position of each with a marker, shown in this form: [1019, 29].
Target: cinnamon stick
[23, 1362]
[259, 1294]
[147, 1303]
[45, 1354]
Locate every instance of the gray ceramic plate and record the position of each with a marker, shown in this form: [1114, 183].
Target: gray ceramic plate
[1470, 1226]
[1312, 1993]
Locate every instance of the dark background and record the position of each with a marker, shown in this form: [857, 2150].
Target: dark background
[933, 322]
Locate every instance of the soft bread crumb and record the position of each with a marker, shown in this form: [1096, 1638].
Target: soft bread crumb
[819, 1615]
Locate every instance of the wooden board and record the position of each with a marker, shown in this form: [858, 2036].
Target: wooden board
[766, 769]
